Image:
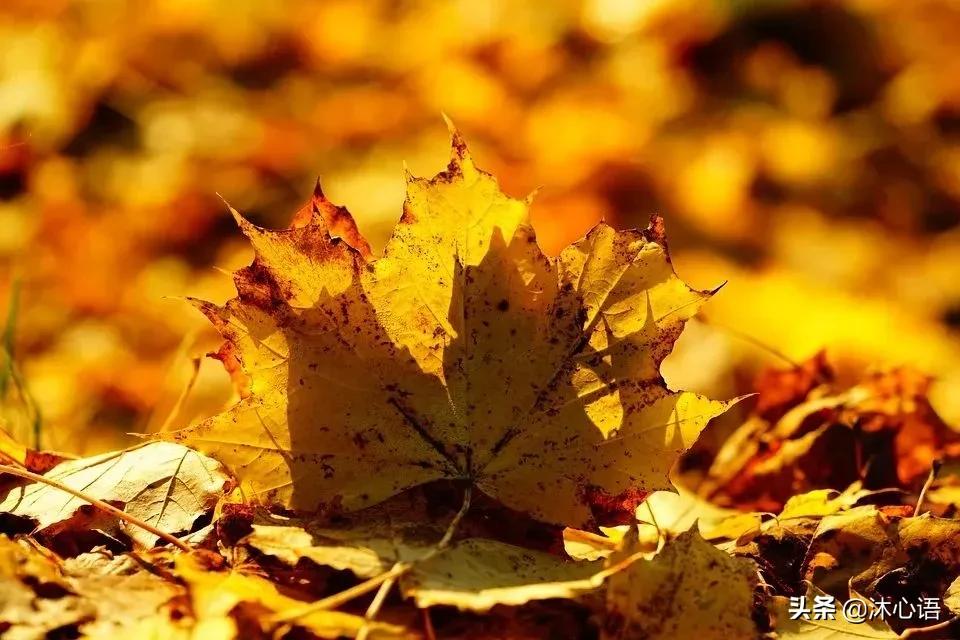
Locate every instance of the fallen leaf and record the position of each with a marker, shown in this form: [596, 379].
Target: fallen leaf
[882, 432]
[477, 574]
[35, 600]
[920, 559]
[585, 545]
[163, 484]
[471, 574]
[366, 549]
[690, 589]
[844, 545]
[733, 527]
[21, 455]
[95, 595]
[125, 597]
[823, 502]
[217, 596]
[462, 352]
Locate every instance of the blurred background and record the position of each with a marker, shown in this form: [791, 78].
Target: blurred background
[806, 152]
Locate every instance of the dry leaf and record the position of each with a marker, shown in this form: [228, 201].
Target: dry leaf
[34, 597]
[366, 549]
[477, 574]
[690, 589]
[463, 352]
[217, 596]
[125, 597]
[95, 595]
[164, 484]
[882, 432]
[823, 502]
[844, 545]
[472, 574]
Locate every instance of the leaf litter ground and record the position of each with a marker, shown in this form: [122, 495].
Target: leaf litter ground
[465, 437]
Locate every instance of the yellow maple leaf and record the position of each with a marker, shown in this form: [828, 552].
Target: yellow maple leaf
[464, 352]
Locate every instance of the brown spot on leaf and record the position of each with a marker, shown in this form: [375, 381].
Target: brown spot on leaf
[609, 509]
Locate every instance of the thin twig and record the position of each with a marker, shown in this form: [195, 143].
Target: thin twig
[182, 398]
[100, 504]
[345, 596]
[934, 469]
[454, 524]
[374, 607]
[660, 534]
[746, 337]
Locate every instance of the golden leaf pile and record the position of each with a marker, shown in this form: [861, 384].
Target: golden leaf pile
[465, 437]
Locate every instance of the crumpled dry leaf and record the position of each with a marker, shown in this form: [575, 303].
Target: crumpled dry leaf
[921, 557]
[884, 553]
[882, 431]
[844, 545]
[164, 484]
[95, 595]
[780, 544]
[25, 577]
[124, 596]
[463, 352]
[805, 506]
[690, 589]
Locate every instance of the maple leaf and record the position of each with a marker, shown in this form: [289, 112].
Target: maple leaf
[463, 352]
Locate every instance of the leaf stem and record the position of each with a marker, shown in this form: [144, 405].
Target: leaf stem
[100, 504]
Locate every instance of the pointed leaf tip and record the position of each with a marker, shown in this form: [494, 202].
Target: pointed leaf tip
[532, 195]
[458, 147]
[657, 231]
[318, 190]
[245, 225]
